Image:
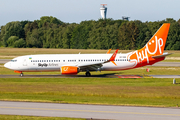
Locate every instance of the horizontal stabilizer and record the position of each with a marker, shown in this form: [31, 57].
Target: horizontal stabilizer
[108, 51]
[163, 55]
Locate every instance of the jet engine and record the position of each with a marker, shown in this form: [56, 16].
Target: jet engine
[69, 70]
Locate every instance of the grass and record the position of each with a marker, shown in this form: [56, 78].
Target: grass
[107, 91]
[20, 117]
[28, 51]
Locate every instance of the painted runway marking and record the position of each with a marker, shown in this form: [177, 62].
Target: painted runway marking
[116, 112]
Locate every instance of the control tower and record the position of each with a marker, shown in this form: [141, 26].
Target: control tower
[103, 11]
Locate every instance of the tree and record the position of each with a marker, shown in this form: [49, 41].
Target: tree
[46, 19]
[12, 40]
[80, 35]
[128, 33]
[20, 43]
[13, 29]
[33, 40]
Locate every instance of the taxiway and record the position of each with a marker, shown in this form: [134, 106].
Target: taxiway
[88, 111]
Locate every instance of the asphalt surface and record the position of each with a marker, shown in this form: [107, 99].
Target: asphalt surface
[2, 61]
[165, 76]
[89, 111]
[168, 64]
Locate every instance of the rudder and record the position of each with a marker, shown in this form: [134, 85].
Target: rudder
[155, 46]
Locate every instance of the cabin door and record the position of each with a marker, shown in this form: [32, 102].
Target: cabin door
[24, 62]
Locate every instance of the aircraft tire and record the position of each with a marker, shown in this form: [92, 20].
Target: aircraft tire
[21, 75]
[88, 74]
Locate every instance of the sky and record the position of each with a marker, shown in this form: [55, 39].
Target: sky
[75, 11]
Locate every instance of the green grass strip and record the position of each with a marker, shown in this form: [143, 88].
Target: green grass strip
[108, 91]
[19, 117]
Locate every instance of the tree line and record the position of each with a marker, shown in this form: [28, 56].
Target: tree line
[50, 32]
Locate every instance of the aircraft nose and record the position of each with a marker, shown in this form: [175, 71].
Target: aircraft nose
[7, 65]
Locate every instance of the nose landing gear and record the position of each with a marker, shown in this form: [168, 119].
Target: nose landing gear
[21, 74]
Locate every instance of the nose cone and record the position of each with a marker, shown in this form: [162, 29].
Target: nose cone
[7, 65]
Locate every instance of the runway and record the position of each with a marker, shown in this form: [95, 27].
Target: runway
[167, 64]
[88, 111]
[165, 76]
[2, 61]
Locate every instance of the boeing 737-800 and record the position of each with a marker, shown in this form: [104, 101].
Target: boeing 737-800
[69, 64]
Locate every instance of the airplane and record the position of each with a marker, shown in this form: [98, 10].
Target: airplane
[70, 64]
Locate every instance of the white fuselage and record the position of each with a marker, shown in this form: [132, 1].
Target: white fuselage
[54, 62]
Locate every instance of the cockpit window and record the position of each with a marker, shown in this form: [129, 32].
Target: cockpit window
[13, 60]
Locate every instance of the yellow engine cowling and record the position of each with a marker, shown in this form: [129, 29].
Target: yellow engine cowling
[69, 70]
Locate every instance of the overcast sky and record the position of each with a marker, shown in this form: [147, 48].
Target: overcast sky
[81, 10]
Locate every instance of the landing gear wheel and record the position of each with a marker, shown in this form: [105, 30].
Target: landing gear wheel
[88, 74]
[21, 74]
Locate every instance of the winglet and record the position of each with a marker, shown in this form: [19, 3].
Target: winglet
[108, 51]
[113, 56]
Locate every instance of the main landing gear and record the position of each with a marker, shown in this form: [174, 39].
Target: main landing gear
[88, 74]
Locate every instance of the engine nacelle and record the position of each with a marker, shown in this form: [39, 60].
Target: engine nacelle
[69, 70]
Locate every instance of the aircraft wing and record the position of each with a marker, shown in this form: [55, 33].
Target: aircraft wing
[97, 66]
[91, 67]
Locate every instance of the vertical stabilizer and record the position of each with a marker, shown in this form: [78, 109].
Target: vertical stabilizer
[155, 46]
